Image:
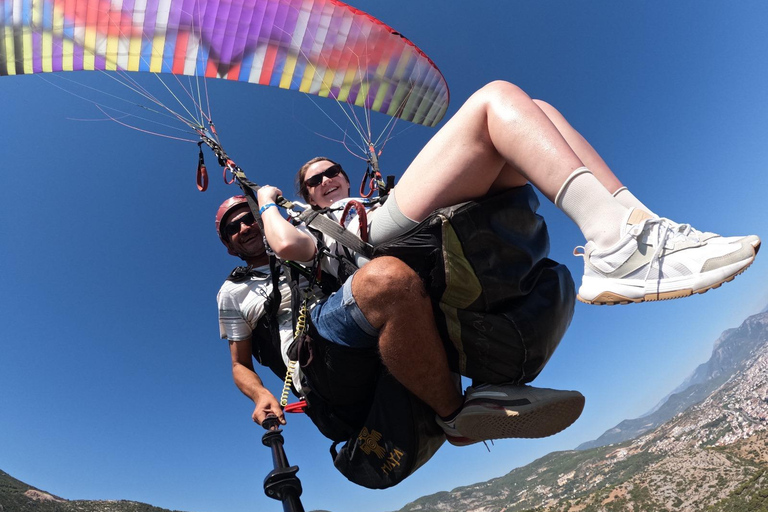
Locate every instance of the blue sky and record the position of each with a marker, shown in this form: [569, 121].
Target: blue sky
[114, 382]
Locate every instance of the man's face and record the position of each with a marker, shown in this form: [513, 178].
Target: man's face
[243, 235]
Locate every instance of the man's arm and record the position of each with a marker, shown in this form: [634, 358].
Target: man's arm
[250, 384]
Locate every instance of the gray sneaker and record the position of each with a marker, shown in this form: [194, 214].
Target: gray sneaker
[506, 410]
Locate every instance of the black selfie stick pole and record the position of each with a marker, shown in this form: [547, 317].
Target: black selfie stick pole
[281, 483]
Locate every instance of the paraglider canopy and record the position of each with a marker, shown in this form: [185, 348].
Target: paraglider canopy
[320, 47]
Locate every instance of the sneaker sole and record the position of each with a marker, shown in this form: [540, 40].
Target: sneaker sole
[609, 298]
[540, 419]
[460, 441]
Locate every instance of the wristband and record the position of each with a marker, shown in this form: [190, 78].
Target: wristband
[264, 208]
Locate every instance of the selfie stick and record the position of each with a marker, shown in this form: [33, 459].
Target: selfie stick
[281, 483]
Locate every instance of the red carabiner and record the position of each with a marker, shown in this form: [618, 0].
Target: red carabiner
[224, 175]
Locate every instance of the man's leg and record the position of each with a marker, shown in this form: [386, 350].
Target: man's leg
[393, 300]
[389, 299]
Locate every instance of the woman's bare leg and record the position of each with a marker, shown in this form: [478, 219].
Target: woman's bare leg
[582, 148]
[591, 158]
[498, 139]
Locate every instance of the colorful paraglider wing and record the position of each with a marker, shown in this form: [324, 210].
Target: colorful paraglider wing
[321, 47]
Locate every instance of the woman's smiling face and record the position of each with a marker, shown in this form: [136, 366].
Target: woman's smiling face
[330, 189]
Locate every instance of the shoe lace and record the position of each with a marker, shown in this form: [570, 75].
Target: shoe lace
[687, 231]
[660, 232]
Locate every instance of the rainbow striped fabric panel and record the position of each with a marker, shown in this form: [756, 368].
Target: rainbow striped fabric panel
[320, 47]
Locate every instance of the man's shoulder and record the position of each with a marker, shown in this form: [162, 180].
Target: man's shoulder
[245, 277]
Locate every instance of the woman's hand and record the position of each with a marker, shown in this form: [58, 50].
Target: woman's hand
[268, 194]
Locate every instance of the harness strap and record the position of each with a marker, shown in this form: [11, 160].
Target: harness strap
[336, 231]
[272, 305]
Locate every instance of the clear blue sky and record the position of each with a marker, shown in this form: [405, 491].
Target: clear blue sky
[114, 384]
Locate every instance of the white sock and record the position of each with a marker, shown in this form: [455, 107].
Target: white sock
[594, 210]
[626, 198]
[388, 221]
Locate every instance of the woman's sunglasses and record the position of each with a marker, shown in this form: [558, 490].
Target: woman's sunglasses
[234, 227]
[317, 179]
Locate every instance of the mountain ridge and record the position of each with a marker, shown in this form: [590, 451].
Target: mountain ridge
[18, 496]
[728, 353]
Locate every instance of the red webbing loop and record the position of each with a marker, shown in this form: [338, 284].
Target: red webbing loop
[202, 178]
[202, 172]
[362, 216]
[296, 407]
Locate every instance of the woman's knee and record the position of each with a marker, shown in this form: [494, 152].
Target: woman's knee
[546, 107]
[501, 90]
[501, 100]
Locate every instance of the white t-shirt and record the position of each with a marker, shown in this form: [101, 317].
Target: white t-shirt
[242, 304]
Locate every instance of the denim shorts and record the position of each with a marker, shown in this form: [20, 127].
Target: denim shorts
[340, 321]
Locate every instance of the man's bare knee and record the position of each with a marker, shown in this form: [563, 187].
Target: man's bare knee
[385, 286]
[385, 276]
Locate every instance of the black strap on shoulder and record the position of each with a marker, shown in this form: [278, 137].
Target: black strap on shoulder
[346, 265]
[273, 303]
[240, 274]
[293, 285]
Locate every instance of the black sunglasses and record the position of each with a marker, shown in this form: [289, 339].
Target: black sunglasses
[234, 227]
[317, 179]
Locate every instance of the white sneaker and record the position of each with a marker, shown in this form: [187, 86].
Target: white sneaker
[507, 410]
[656, 259]
[714, 238]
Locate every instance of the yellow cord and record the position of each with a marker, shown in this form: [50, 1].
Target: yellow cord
[287, 384]
[301, 321]
[301, 327]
